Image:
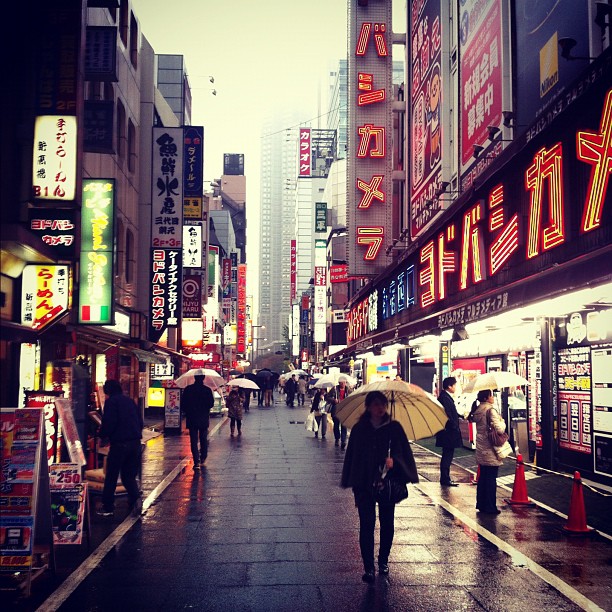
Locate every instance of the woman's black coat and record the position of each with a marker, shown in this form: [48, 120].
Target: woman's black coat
[450, 436]
[366, 453]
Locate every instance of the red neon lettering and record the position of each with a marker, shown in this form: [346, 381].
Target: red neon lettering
[366, 133]
[596, 149]
[472, 247]
[371, 191]
[547, 166]
[373, 237]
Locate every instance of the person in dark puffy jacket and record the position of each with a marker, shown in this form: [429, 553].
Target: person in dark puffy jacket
[376, 441]
[122, 426]
[197, 400]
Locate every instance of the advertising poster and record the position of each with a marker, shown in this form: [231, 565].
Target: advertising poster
[574, 398]
[426, 101]
[541, 73]
[46, 401]
[16, 535]
[172, 409]
[481, 83]
[68, 496]
[45, 294]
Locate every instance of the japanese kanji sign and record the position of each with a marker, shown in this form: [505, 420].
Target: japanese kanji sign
[193, 143]
[167, 188]
[54, 158]
[45, 294]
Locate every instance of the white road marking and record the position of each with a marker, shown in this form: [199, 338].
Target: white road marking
[517, 557]
[61, 594]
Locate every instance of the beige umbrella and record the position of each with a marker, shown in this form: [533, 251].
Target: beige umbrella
[245, 383]
[418, 412]
[331, 380]
[495, 380]
[212, 378]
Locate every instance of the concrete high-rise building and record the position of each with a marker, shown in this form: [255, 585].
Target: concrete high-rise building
[278, 181]
[173, 84]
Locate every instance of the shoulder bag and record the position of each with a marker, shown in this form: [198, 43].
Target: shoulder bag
[386, 488]
[496, 439]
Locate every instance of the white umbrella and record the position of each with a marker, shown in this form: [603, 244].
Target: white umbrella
[495, 380]
[331, 380]
[212, 378]
[418, 412]
[245, 383]
[298, 373]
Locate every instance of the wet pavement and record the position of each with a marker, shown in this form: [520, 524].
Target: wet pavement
[265, 526]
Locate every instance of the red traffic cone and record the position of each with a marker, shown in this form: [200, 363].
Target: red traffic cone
[576, 520]
[519, 490]
[474, 481]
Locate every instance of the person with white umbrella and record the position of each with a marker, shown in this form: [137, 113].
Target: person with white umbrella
[197, 400]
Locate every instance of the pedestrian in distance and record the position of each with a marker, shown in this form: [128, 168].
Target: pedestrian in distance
[269, 391]
[486, 457]
[332, 399]
[376, 442]
[197, 400]
[290, 390]
[235, 411]
[302, 388]
[247, 399]
[450, 437]
[122, 426]
[320, 415]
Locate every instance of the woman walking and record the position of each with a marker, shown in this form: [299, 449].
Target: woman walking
[318, 408]
[376, 442]
[235, 411]
[488, 462]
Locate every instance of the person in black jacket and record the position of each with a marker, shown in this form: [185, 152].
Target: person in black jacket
[375, 442]
[197, 400]
[122, 425]
[450, 437]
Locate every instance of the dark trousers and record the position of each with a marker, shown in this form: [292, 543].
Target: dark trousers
[301, 399]
[486, 490]
[340, 431]
[201, 434]
[234, 422]
[260, 396]
[123, 458]
[445, 464]
[367, 522]
[290, 398]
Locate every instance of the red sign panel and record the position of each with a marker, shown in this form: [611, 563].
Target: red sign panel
[293, 269]
[338, 274]
[305, 153]
[241, 316]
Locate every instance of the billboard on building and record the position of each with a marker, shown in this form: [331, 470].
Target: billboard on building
[193, 161]
[166, 285]
[370, 127]
[541, 73]
[54, 158]
[101, 53]
[305, 153]
[319, 316]
[192, 296]
[98, 126]
[233, 164]
[293, 270]
[481, 85]
[45, 294]
[56, 228]
[241, 316]
[192, 246]
[97, 270]
[426, 106]
[167, 188]
[320, 217]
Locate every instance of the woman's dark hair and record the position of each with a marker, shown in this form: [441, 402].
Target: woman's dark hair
[112, 387]
[374, 396]
[472, 410]
[484, 395]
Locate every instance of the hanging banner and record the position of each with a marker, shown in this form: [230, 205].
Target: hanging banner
[192, 296]
[45, 294]
[192, 246]
[166, 278]
[167, 188]
[96, 298]
[193, 164]
[54, 167]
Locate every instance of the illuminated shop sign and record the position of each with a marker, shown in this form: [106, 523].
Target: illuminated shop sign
[166, 301]
[369, 212]
[97, 252]
[535, 218]
[45, 294]
[363, 318]
[56, 228]
[55, 158]
[241, 314]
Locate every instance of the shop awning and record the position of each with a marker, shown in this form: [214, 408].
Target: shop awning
[145, 356]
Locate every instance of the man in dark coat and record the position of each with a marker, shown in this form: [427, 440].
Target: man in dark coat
[122, 426]
[450, 437]
[197, 400]
[290, 389]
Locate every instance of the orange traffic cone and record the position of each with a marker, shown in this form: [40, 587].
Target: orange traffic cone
[474, 481]
[576, 520]
[519, 490]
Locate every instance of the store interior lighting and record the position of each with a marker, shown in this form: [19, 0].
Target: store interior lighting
[366, 355]
[446, 334]
[396, 346]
